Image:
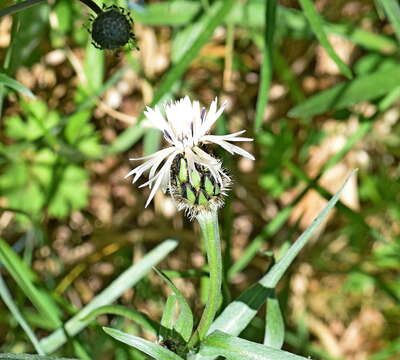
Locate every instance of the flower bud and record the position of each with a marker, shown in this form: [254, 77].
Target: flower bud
[197, 190]
[111, 29]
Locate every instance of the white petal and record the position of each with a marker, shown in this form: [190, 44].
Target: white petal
[156, 159]
[157, 120]
[229, 137]
[160, 159]
[212, 116]
[160, 176]
[210, 163]
[234, 149]
[196, 121]
[158, 153]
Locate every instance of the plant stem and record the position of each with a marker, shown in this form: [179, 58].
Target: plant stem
[91, 4]
[210, 232]
[20, 6]
[26, 4]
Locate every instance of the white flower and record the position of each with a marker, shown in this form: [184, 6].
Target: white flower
[185, 127]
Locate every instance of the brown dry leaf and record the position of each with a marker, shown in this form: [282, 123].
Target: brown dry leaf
[154, 54]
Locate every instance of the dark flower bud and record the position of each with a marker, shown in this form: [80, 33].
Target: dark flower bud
[112, 28]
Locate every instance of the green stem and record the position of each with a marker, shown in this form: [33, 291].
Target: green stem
[26, 4]
[20, 6]
[210, 231]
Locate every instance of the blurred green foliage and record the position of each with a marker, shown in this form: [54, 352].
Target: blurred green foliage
[35, 167]
[48, 155]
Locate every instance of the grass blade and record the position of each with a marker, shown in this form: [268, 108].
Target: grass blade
[154, 350]
[234, 348]
[24, 277]
[15, 85]
[317, 24]
[277, 271]
[7, 298]
[30, 357]
[251, 250]
[392, 10]
[130, 314]
[266, 68]
[175, 13]
[125, 281]
[363, 88]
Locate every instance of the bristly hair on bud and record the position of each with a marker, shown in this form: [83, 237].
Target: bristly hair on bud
[195, 179]
[112, 28]
[196, 191]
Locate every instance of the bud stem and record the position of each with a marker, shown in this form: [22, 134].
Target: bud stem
[209, 227]
[26, 4]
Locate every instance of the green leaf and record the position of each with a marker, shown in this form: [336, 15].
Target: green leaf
[154, 350]
[234, 348]
[167, 13]
[184, 323]
[124, 282]
[27, 35]
[130, 314]
[252, 249]
[185, 38]
[8, 300]
[317, 25]
[238, 314]
[30, 357]
[15, 85]
[167, 320]
[363, 88]
[71, 192]
[24, 278]
[36, 124]
[266, 67]
[274, 327]
[392, 10]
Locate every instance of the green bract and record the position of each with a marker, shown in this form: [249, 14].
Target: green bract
[197, 191]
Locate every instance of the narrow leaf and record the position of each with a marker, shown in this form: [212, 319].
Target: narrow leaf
[167, 13]
[274, 327]
[266, 67]
[23, 276]
[392, 10]
[15, 85]
[317, 25]
[234, 348]
[364, 88]
[8, 300]
[131, 314]
[167, 320]
[184, 323]
[124, 282]
[30, 357]
[154, 350]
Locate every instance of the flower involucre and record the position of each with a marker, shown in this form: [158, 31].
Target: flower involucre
[194, 178]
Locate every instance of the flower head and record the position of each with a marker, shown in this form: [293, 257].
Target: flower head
[111, 28]
[185, 168]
